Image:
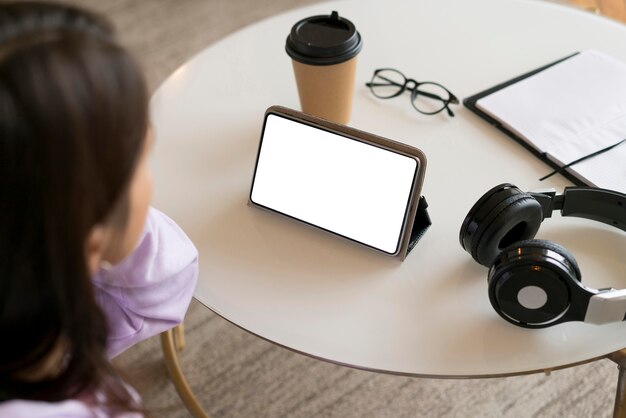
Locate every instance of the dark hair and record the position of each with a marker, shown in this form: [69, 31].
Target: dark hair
[73, 118]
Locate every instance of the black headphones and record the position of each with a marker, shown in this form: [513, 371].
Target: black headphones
[536, 283]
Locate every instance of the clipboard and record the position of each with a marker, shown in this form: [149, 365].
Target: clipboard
[470, 103]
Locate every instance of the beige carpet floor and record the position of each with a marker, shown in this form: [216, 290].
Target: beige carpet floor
[235, 374]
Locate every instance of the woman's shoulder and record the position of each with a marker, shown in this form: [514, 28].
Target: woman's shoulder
[164, 248]
[67, 409]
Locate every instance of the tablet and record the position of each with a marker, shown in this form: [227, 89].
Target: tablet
[354, 184]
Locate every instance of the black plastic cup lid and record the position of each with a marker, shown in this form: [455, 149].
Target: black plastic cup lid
[323, 40]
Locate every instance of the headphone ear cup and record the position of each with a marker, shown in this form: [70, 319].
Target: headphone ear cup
[529, 283]
[542, 244]
[504, 215]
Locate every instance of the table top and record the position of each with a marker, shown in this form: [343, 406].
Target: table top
[331, 299]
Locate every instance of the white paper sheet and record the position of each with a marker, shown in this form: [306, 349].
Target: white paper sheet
[570, 110]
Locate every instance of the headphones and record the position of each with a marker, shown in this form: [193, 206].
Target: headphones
[536, 283]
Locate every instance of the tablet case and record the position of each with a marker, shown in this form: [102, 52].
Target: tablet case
[419, 213]
[420, 224]
[470, 103]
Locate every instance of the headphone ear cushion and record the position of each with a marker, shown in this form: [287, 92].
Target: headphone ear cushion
[549, 245]
[513, 219]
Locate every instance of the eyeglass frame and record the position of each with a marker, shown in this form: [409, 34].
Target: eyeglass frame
[415, 92]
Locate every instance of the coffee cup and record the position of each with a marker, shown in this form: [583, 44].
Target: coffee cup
[324, 50]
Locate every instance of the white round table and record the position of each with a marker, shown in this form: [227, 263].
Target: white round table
[328, 298]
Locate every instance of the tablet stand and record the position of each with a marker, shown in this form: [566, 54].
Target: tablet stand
[420, 224]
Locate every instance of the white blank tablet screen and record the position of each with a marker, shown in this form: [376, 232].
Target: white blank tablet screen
[339, 184]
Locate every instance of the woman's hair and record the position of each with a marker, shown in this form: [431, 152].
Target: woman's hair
[73, 118]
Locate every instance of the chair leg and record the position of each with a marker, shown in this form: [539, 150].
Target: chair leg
[619, 410]
[179, 337]
[170, 353]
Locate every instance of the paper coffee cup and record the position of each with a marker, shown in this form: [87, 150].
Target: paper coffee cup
[324, 52]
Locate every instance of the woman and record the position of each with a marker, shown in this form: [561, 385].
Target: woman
[86, 267]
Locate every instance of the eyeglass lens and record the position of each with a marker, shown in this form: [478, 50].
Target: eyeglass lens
[430, 98]
[387, 83]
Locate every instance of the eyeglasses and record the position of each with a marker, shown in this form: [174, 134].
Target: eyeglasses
[428, 98]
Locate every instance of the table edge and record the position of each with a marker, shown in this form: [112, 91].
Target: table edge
[406, 374]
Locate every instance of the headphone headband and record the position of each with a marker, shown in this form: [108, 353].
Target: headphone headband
[606, 307]
[602, 205]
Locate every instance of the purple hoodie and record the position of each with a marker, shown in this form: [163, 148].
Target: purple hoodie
[144, 295]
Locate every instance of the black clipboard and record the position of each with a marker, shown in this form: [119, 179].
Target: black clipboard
[470, 103]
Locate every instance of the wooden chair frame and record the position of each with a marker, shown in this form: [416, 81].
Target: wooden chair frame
[173, 342]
